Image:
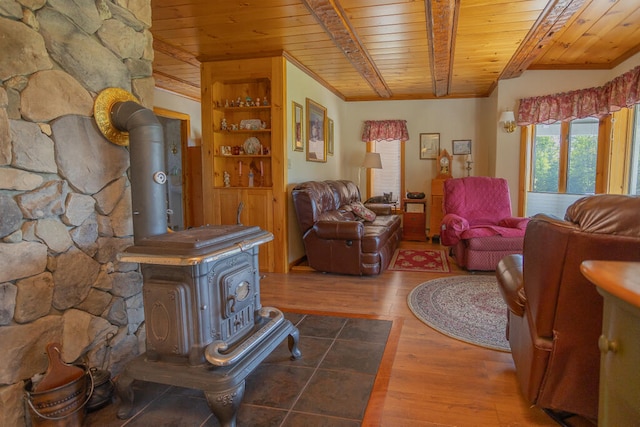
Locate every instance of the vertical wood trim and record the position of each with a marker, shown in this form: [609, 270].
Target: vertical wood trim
[621, 142]
[207, 103]
[402, 177]
[603, 155]
[369, 172]
[278, 163]
[524, 175]
[563, 159]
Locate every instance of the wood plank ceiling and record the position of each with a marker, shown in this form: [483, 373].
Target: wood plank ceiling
[394, 49]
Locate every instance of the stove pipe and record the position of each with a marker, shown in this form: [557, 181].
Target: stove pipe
[146, 154]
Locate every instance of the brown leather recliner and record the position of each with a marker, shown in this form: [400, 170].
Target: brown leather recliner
[555, 313]
[336, 240]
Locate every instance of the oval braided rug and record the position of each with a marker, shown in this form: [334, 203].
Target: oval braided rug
[468, 308]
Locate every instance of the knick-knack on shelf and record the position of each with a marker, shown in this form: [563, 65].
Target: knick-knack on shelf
[226, 178]
[223, 124]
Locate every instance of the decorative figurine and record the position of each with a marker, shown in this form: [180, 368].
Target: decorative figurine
[227, 179]
[265, 102]
[226, 103]
[223, 124]
[257, 102]
[250, 178]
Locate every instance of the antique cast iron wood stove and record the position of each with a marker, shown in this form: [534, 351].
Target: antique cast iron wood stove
[205, 326]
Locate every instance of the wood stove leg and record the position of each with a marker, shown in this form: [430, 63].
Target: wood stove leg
[294, 337]
[225, 404]
[124, 390]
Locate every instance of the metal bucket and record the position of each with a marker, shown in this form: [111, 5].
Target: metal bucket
[63, 406]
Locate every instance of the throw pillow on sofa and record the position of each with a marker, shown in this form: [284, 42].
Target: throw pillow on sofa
[363, 212]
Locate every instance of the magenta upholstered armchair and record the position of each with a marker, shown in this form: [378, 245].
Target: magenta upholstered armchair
[477, 222]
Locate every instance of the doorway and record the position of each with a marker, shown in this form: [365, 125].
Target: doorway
[184, 171]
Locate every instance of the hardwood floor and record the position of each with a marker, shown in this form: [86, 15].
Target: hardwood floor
[435, 380]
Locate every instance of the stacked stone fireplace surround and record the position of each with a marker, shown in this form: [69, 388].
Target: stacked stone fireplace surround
[65, 200]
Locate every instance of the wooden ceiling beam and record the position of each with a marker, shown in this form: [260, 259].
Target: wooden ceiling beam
[330, 15]
[553, 18]
[175, 52]
[176, 85]
[442, 23]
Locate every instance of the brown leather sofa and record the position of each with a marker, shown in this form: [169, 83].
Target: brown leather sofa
[555, 313]
[335, 239]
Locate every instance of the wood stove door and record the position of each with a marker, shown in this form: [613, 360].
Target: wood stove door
[238, 288]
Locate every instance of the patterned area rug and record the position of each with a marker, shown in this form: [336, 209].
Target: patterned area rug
[468, 308]
[435, 261]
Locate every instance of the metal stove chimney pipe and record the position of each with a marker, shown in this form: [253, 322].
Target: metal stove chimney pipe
[146, 152]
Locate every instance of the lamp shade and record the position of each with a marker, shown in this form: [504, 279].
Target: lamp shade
[507, 116]
[372, 161]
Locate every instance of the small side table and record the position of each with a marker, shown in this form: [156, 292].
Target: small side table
[414, 219]
[619, 284]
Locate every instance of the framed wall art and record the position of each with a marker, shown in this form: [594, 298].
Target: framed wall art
[330, 130]
[316, 132]
[298, 140]
[429, 146]
[461, 146]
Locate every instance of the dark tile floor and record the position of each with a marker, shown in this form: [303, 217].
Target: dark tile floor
[329, 386]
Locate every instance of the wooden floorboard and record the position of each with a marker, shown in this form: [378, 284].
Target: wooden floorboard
[434, 380]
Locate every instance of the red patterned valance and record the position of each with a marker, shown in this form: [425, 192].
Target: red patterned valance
[623, 91]
[385, 130]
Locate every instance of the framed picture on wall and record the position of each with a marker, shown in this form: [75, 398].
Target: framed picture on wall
[429, 146]
[316, 132]
[330, 130]
[298, 144]
[461, 146]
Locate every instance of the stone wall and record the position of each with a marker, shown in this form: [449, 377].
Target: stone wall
[65, 201]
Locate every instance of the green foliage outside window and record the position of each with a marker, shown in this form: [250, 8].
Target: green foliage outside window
[583, 151]
[546, 163]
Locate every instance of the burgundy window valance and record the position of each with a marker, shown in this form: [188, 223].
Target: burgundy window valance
[623, 91]
[385, 130]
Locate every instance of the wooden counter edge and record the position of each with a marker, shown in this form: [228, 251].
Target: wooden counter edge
[619, 278]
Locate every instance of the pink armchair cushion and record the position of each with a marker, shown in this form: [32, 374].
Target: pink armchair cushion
[491, 230]
[514, 222]
[478, 207]
[479, 199]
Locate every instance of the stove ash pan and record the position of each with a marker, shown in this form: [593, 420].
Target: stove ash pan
[201, 294]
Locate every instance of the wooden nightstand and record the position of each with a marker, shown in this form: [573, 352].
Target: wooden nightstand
[414, 219]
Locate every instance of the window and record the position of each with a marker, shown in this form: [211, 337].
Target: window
[564, 157]
[546, 155]
[389, 178]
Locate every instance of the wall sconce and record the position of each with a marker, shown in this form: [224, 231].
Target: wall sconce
[508, 121]
[370, 161]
